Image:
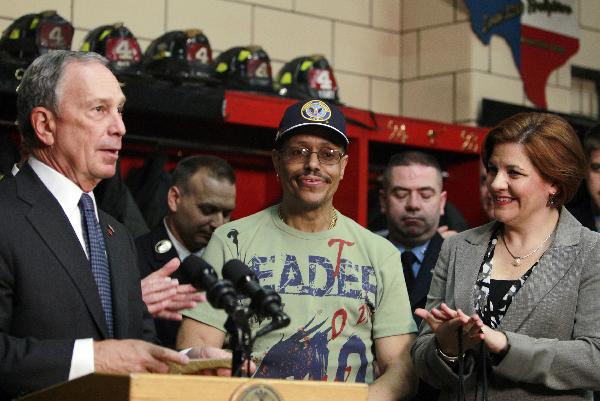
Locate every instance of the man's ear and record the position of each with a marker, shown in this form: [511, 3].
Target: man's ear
[443, 199]
[44, 125]
[275, 157]
[173, 197]
[343, 163]
[382, 201]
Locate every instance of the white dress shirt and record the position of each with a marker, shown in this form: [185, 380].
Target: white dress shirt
[181, 250]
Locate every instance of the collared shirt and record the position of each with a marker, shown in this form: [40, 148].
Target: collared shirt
[419, 252]
[67, 193]
[181, 250]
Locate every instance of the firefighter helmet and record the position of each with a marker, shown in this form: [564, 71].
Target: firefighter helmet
[307, 77]
[32, 35]
[244, 68]
[179, 55]
[117, 44]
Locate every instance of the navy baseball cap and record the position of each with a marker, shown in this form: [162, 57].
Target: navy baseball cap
[315, 113]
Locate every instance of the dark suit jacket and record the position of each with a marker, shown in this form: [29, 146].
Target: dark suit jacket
[149, 261]
[48, 296]
[418, 294]
[418, 298]
[149, 186]
[582, 211]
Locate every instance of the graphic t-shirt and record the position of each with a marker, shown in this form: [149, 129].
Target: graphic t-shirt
[342, 288]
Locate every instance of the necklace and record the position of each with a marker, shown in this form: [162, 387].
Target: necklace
[517, 259]
[332, 223]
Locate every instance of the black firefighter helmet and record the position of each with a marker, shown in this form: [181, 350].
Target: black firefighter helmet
[307, 77]
[244, 68]
[117, 43]
[32, 35]
[28, 37]
[180, 55]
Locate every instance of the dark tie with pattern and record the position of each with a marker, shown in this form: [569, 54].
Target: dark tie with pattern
[408, 258]
[94, 242]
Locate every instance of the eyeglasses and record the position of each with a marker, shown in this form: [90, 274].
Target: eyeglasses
[302, 155]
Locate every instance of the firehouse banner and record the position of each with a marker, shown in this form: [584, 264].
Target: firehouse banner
[542, 35]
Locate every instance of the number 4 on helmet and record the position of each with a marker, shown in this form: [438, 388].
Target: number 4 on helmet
[32, 35]
[117, 44]
[307, 77]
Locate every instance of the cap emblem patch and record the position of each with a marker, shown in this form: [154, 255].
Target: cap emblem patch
[316, 110]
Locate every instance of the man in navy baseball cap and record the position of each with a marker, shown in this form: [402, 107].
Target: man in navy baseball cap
[313, 116]
[339, 282]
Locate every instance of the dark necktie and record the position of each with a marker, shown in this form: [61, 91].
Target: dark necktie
[408, 258]
[94, 242]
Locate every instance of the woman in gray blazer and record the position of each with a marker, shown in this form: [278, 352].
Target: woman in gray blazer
[513, 307]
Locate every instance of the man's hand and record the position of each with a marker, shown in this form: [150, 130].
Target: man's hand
[165, 297]
[397, 380]
[446, 232]
[133, 356]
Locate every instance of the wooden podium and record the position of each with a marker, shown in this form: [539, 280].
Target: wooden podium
[157, 387]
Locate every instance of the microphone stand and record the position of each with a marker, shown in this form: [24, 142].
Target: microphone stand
[240, 335]
[221, 294]
[278, 321]
[238, 328]
[264, 302]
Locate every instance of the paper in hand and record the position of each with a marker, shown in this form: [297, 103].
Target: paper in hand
[196, 365]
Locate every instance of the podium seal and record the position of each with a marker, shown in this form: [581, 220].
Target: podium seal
[256, 392]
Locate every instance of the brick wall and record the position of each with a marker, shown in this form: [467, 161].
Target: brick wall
[417, 58]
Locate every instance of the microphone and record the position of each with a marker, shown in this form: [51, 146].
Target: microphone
[220, 293]
[263, 301]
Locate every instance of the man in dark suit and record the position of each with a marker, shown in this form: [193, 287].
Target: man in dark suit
[586, 208]
[200, 199]
[413, 199]
[70, 299]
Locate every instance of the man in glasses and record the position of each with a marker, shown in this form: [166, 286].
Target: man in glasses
[338, 281]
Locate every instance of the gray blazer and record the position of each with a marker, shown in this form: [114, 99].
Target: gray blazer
[552, 324]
